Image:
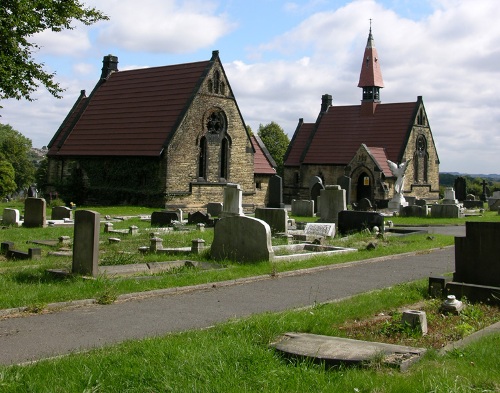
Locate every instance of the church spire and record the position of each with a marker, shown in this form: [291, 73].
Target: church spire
[370, 77]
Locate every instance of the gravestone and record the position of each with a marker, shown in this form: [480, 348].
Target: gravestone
[364, 205]
[275, 192]
[302, 208]
[411, 200]
[320, 229]
[414, 211]
[315, 187]
[35, 213]
[232, 205]
[356, 221]
[10, 217]
[214, 209]
[242, 239]
[61, 212]
[199, 218]
[460, 188]
[421, 202]
[163, 218]
[494, 201]
[86, 243]
[277, 219]
[477, 263]
[445, 211]
[332, 202]
[449, 196]
[344, 182]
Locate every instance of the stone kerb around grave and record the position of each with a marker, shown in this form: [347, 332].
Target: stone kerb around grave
[242, 239]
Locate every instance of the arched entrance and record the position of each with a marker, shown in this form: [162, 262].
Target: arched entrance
[364, 187]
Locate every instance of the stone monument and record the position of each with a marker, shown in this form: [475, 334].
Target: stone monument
[398, 200]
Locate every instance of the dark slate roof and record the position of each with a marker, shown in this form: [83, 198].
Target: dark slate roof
[342, 130]
[298, 143]
[131, 113]
[263, 163]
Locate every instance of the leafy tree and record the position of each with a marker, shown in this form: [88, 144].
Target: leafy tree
[7, 183]
[276, 142]
[15, 149]
[20, 74]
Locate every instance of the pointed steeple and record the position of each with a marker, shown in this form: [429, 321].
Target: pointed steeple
[370, 77]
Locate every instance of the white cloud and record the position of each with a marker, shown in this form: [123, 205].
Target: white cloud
[65, 43]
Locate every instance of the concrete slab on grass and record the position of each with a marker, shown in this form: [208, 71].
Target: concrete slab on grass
[335, 350]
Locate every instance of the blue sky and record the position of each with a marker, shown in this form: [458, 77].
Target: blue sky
[281, 56]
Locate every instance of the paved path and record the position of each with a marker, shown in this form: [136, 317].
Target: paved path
[41, 336]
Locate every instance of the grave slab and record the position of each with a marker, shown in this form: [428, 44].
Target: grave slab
[320, 229]
[336, 351]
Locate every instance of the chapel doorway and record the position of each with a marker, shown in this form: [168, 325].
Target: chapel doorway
[364, 187]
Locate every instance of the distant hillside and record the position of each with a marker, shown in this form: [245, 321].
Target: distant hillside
[491, 176]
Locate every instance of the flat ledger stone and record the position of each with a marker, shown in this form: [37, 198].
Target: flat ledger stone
[336, 350]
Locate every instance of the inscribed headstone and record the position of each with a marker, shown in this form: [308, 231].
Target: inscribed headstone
[61, 212]
[35, 212]
[303, 208]
[214, 208]
[332, 202]
[233, 197]
[277, 219]
[163, 218]
[345, 183]
[321, 229]
[356, 221]
[10, 216]
[275, 192]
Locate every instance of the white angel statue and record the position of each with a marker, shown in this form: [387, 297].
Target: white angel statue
[399, 172]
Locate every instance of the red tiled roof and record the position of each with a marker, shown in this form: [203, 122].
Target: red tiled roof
[342, 129]
[371, 74]
[262, 163]
[132, 113]
[378, 154]
[298, 143]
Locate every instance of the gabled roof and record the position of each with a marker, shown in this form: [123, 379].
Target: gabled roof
[130, 113]
[342, 129]
[298, 143]
[380, 158]
[263, 163]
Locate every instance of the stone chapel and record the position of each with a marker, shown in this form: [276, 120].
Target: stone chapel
[153, 136]
[356, 141]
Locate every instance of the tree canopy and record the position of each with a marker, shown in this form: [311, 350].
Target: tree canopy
[20, 74]
[7, 183]
[15, 149]
[276, 142]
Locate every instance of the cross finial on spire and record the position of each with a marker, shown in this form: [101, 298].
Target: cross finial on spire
[370, 25]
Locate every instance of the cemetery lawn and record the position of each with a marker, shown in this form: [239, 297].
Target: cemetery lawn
[236, 357]
[26, 283]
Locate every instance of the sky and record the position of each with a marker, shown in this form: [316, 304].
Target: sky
[281, 56]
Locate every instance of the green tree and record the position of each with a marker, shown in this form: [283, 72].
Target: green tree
[7, 183]
[15, 149]
[20, 74]
[276, 142]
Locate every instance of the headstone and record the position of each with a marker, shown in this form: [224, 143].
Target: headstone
[86, 242]
[364, 205]
[421, 202]
[10, 217]
[356, 221]
[275, 191]
[494, 201]
[232, 205]
[320, 229]
[35, 213]
[315, 187]
[344, 182]
[277, 219]
[163, 218]
[449, 196]
[484, 194]
[198, 218]
[332, 202]
[197, 246]
[242, 239]
[214, 208]
[445, 211]
[414, 211]
[411, 200]
[61, 212]
[303, 208]
[470, 197]
[460, 188]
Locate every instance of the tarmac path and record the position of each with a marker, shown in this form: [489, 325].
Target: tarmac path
[40, 336]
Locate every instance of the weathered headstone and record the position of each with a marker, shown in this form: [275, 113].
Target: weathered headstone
[356, 221]
[35, 213]
[344, 182]
[242, 239]
[61, 212]
[86, 242]
[277, 219]
[320, 229]
[494, 201]
[302, 208]
[414, 211]
[214, 208]
[364, 204]
[275, 192]
[445, 211]
[163, 218]
[332, 202]
[10, 217]
[199, 218]
[449, 196]
[460, 188]
[315, 187]
[233, 197]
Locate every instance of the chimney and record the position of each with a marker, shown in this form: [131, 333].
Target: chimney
[326, 102]
[109, 65]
